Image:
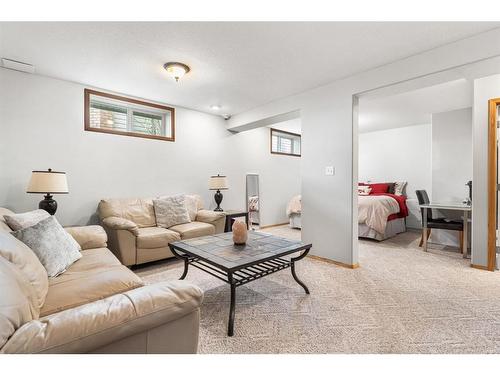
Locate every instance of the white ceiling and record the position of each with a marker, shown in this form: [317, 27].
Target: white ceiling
[237, 65]
[413, 107]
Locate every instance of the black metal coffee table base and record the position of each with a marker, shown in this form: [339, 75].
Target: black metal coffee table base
[241, 276]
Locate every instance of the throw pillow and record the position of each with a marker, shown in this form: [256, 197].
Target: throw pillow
[26, 219]
[191, 203]
[399, 188]
[392, 187]
[170, 211]
[364, 190]
[55, 248]
[379, 188]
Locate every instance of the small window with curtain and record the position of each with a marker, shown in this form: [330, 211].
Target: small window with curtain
[285, 143]
[108, 113]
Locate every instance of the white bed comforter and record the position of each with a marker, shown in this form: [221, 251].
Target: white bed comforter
[373, 210]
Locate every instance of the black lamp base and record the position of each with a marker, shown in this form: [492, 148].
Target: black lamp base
[218, 199]
[48, 204]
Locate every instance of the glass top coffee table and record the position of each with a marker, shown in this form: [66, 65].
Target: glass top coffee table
[262, 255]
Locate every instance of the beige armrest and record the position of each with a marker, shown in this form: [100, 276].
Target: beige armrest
[89, 237]
[113, 222]
[209, 217]
[91, 326]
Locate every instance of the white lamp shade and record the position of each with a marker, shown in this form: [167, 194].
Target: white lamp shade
[48, 182]
[217, 183]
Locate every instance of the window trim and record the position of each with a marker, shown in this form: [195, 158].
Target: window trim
[284, 132]
[87, 127]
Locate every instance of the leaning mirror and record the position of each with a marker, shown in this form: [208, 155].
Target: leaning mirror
[252, 199]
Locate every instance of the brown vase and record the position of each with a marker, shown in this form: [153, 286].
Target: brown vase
[240, 232]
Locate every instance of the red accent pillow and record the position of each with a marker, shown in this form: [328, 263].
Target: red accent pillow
[379, 188]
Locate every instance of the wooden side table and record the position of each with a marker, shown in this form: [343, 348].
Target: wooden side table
[231, 215]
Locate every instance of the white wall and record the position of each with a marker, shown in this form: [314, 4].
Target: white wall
[484, 89]
[328, 138]
[401, 154]
[41, 126]
[279, 175]
[451, 164]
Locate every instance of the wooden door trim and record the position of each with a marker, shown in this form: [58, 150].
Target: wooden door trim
[492, 181]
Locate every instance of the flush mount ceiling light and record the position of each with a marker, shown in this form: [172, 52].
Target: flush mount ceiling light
[176, 70]
[215, 107]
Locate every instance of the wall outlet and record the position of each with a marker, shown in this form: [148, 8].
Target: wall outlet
[329, 171]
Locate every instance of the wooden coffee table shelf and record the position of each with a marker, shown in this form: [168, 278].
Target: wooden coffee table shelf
[237, 265]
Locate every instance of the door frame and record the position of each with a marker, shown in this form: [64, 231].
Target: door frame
[492, 181]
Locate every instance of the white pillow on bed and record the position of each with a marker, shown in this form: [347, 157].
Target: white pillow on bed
[364, 190]
[399, 187]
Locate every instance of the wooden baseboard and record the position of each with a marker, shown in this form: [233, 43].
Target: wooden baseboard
[272, 225]
[345, 265]
[479, 267]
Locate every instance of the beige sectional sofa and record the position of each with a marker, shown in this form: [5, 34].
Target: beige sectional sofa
[134, 237]
[97, 305]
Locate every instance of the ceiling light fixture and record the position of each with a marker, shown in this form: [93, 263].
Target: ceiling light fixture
[176, 70]
[215, 107]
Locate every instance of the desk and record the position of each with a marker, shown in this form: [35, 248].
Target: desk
[447, 206]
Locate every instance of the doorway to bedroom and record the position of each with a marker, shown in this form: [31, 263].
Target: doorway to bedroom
[415, 147]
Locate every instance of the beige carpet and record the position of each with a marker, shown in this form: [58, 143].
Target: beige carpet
[401, 300]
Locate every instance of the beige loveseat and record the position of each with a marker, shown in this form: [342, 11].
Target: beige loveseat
[134, 237]
[97, 305]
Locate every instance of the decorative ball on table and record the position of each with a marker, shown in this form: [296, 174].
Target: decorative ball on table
[48, 182]
[240, 232]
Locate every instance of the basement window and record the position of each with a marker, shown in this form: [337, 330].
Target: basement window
[113, 114]
[285, 143]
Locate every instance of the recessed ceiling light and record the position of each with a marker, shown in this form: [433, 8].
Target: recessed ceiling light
[215, 107]
[176, 70]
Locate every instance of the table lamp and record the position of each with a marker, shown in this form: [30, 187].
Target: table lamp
[48, 182]
[217, 183]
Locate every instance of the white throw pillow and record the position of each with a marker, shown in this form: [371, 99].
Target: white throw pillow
[191, 202]
[170, 211]
[26, 219]
[364, 190]
[399, 187]
[55, 247]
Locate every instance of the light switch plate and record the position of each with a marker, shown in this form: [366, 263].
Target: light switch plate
[329, 171]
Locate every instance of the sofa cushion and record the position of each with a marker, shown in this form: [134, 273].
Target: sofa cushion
[193, 229]
[153, 237]
[97, 275]
[18, 302]
[139, 211]
[170, 211]
[89, 237]
[26, 219]
[23, 258]
[55, 247]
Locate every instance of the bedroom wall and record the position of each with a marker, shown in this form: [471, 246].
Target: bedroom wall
[400, 154]
[41, 122]
[329, 215]
[451, 163]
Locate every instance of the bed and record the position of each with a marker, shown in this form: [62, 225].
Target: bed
[381, 211]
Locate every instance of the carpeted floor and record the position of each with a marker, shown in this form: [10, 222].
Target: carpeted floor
[400, 300]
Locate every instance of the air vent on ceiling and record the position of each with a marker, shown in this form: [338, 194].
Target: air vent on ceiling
[18, 65]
